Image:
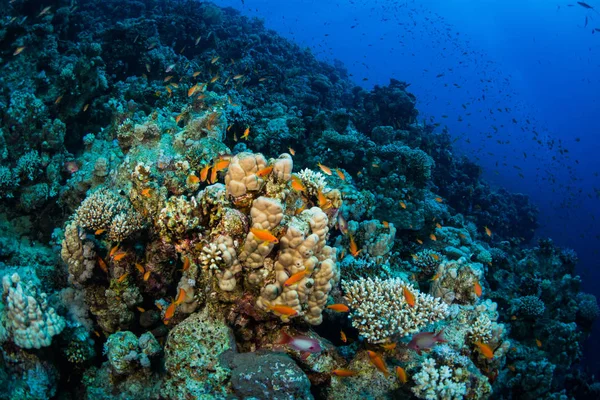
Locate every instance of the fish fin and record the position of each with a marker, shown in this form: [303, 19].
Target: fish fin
[285, 338]
[305, 355]
[440, 336]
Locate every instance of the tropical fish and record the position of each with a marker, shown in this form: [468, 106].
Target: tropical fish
[169, 313]
[168, 78]
[354, 248]
[264, 235]
[297, 184]
[238, 76]
[246, 133]
[401, 374]
[197, 40]
[432, 237]
[99, 231]
[339, 308]
[122, 277]
[204, 173]
[419, 241]
[408, 296]
[146, 192]
[180, 297]
[140, 309]
[214, 59]
[215, 78]
[283, 310]
[389, 346]
[119, 255]
[439, 199]
[192, 180]
[300, 343]
[477, 288]
[192, 90]
[342, 224]
[292, 151]
[403, 205]
[378, 362]
[340, 174]
[324, 203]
[85, 107]
[485, 349]
[147, 276]
[186, 264]
[325, 169]
[221, 165]
[343, 372]
[102, 265]
[18, 50]
[44, 11]
[170, 68]
[140, 268]
[343, 336]
[488, 231]
[436, 277]
[265, 171]
[425, 341]
[295, 278]
[385, 224]
[538, 343]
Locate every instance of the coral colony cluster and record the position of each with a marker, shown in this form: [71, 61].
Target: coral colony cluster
[195, 208]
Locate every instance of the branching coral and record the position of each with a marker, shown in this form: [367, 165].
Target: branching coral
[433, 383]
[380, 310]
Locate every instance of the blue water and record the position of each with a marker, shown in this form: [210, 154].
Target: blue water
[535, 62]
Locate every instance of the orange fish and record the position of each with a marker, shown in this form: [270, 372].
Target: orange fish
[403, 205]
[122, 277]
[477, 288]
[389, 346]
[265, 171]
[221, 165]
[338, 307]
[385, 224]
[215, 78]
[246, 133]
[195, 74]
[340, 174]
[180, 297]
[462, 235]
[58, 99]
[186, 264]
[343, 372]
[432, 237]
[192, 180]
[214, 59]
[295, 278]
[538, 343]
[146, 276]
[292, 151]
[168, 78]
[436, 277]
[113, 250]
[213, 175]
[419, 241]
[140, 309]
[204, 173]
[325, 169]
[354, 248]
[119, 255]
[192, 90]
[140, 268]
[146, 192]
[102, 265]
[435, 257]
[169, 313]
[410, 298]
[485, 349]
[439, 199]
[343, 336]
[99, 231]
[378, 362]
[488, 231]
[283, 310]
[18, 50]
[438, 225]
[264, 235]
[401, 374]
[323, 202]
[96, 333]
[415, 257]
[297, 184]
[511, 367]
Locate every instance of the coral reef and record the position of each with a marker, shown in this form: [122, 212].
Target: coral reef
[183, 188]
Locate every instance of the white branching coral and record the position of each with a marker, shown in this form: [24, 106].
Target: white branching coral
[380, 311]
[30, 321]
[314, 181]
[438, 383]
[481, 329]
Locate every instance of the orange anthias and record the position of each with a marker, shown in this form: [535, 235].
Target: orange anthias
[338, 307]
[485, 349]
[295, 278]
[343, 372]
[409, 296]
[354, 248]
[264, 235]
[378, 362]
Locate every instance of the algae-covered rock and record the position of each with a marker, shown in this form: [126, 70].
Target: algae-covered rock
[268, 376]
[192, 357]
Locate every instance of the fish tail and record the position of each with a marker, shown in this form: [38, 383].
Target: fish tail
[285, 338]
[440, 336]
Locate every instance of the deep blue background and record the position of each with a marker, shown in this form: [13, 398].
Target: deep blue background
[536, 58]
